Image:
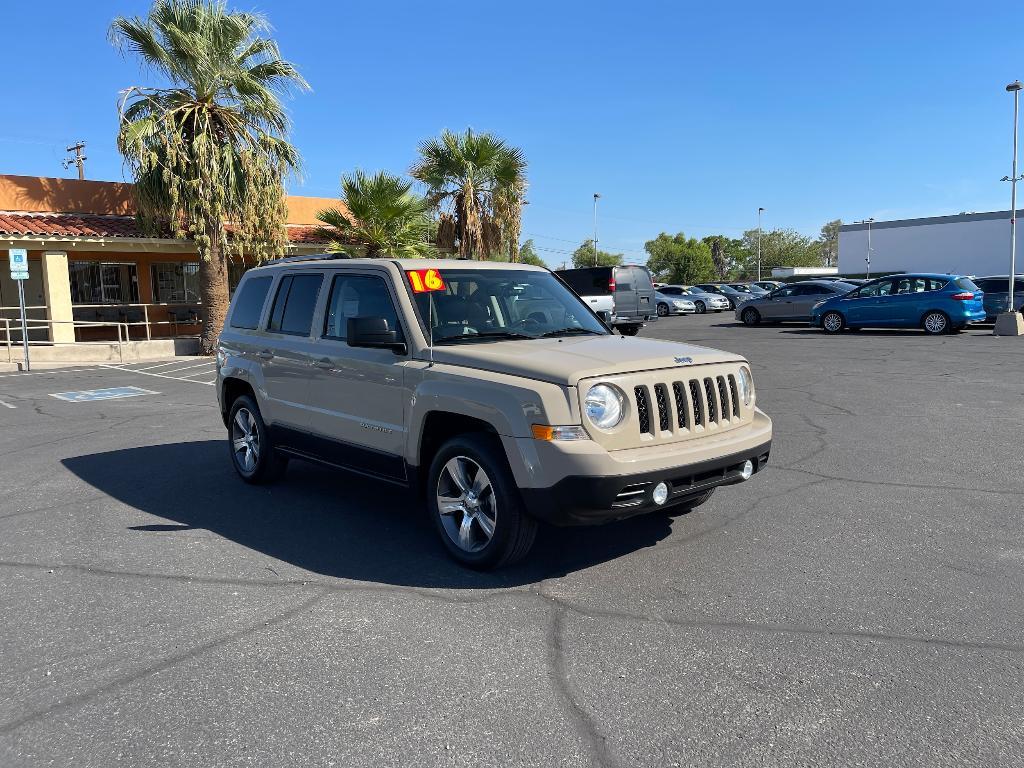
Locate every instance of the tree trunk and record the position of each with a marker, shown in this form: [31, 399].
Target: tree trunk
[213, 288]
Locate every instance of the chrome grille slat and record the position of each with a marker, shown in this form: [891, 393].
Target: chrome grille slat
[661, 398]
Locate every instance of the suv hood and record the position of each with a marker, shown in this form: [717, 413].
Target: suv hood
[569, 359]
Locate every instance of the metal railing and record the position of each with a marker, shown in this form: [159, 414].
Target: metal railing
[121, 315]
[11, 344]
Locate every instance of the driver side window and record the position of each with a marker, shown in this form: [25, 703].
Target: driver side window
[357, 296]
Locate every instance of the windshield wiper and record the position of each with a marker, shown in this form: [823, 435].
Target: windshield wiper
[570, 332]
[486, 335]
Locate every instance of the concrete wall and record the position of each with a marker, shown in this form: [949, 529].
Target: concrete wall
[972, 244]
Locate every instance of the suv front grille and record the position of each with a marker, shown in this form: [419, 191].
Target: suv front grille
[707, 402]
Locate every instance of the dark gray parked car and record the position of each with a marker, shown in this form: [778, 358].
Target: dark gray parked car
[790, 302]
[997, 294]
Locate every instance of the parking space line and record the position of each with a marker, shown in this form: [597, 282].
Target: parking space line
[186, 367]
[160, 365]
[8, 405]
[157, 375]
[47, 372]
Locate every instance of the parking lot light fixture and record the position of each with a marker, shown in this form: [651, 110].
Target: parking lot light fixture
[1010, 322]
[867, 259]
[759, 212]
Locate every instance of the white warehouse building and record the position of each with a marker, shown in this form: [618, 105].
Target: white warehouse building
[968, 243]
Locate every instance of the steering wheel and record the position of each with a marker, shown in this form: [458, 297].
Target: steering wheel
[526, 324]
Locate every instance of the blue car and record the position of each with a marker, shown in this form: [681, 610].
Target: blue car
[935, 303]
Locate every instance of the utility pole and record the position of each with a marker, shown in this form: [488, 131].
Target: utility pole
[759, 212]
[596, 198]
[1009, 323]
[78, 160]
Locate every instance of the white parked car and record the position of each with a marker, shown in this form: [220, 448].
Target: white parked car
[673, 305]
[703, 301]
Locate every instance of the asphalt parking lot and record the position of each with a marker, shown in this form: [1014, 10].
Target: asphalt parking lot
[859, 603]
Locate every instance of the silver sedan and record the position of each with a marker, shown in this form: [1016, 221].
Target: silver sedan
[673, 305]
[790, 302]
[702, 300]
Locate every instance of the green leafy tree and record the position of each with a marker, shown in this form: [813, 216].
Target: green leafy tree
[828, 243]
[679, 259]
[528, 255]
[209, 148]
[381, 215]
[727, 254]
[779, 248]
[586, 256]
[478, 183]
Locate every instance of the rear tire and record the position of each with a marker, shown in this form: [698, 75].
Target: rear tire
[484, 523]
[630, 330]
[936, 323]
[750, 316]
[662, 310]
[701, 307]
[252, 454]
[832, 322]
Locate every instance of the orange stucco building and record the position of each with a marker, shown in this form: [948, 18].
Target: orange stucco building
[90, 263]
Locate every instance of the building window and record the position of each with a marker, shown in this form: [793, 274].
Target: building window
[176, 282]
[94, 282]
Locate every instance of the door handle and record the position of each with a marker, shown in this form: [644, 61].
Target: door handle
[265, 354]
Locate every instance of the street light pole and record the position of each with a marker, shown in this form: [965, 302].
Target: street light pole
[867, 259]
[1010, 322]
[596, 198]
[759, 212]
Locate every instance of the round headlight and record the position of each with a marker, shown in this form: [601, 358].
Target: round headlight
[603, 404]
[746, 385]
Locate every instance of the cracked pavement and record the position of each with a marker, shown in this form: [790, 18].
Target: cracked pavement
[861, 602]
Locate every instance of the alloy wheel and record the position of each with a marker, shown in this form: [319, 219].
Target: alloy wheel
[701, 307]
[466, 504]
[245, 440]
[936, 322]
[833, 322]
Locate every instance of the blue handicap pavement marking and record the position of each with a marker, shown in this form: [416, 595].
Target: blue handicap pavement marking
[111, 393]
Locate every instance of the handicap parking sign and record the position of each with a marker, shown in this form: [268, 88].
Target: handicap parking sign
[19, 263]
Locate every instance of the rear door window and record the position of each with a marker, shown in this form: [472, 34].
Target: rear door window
[641, 278]
[294, 304]
[249, 303]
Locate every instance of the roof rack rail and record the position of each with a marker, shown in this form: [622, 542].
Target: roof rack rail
[311, 257]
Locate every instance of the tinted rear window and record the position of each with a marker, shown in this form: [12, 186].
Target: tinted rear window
[968, 285]
[294, 304]
[641, 278]
[587, 282]
[249, 303]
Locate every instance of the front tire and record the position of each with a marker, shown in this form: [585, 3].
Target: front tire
[252, 454]
[750, 316]
[630, 330]
[475, 504]
[832, 322]
[935, 323]
[701, 307]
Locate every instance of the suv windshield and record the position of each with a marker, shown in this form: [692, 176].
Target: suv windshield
[490, 304]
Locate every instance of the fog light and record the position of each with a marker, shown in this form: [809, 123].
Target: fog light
[747, 470]
[660, 494]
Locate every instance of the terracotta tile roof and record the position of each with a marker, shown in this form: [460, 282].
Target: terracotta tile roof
[21, 223]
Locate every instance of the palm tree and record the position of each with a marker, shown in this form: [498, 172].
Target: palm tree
[208, 152]
[479, 182]
[381, 215]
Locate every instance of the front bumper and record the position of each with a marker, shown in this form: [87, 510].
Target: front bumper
[589, 500]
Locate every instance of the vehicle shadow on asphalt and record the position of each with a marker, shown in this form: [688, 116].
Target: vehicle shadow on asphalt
[330, 522]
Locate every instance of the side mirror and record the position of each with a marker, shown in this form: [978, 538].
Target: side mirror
[606, 318]
[374, 333]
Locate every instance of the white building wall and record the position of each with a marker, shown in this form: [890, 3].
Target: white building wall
[971, 244]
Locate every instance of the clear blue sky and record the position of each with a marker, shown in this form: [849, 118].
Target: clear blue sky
[684, 116]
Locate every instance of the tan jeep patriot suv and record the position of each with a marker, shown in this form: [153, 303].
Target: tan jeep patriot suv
[488, 387]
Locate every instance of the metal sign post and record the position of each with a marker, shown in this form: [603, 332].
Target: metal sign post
[19, 273]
